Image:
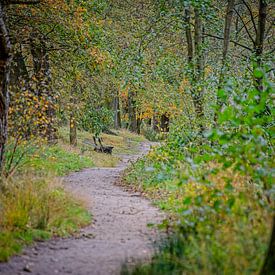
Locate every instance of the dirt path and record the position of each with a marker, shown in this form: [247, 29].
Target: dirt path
[119, 230]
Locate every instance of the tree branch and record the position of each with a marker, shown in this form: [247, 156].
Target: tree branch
[251, 15]
[232, 41]
[244, 24]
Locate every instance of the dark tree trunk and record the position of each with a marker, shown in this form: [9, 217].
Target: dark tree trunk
[226, 41]
[269, 263]
[198, 94]
[117, 116]
[5, 60]
[188, 34]
[139, 121]
[155, 122]
[164, 123]
[73, 130]
[259, 41]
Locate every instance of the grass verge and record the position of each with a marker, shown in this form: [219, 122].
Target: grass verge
[124, 142]
[36, 208]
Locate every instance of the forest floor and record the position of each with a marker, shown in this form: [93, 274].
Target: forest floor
[119, 232]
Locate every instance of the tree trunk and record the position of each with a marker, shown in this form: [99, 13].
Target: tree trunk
[198, 94]
[164, 123]
[73, 130]
[188, 34]
[227, 28]
[139, 121]
[269, 263]
[155, 122]
[5, 60]
[259, 41]
[117, 116]
[226, 41]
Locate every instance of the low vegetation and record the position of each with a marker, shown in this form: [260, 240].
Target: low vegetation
[214, 231]
[217, 190]
[33, 202]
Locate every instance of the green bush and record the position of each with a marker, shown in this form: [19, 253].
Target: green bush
[217, 189]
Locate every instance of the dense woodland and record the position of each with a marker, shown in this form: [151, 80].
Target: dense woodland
[196, 76]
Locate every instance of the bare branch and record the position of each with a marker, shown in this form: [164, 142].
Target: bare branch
[232, 41]
[244, 24]
[251, 15]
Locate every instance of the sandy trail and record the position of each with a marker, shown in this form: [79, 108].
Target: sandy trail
[119, 230]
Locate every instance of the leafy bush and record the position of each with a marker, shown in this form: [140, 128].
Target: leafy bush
[96, 120]
[218, 189]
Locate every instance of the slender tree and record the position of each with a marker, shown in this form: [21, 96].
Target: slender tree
[226, 42]
[198, 94]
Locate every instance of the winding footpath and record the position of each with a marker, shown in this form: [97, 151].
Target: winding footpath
[119, 231]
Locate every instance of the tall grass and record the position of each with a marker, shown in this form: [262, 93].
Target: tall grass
[32, 207]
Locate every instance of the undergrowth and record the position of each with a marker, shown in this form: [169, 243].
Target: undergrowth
[36, 208]
[217, 188]
[230, 239]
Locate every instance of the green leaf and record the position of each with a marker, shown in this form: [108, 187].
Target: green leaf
[217, 204]
[231, 202]
[187, 201]
[258, 73]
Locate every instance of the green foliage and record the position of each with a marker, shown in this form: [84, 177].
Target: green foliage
[150, 133]
[96, 120]
[218, 189]
[12, 242]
